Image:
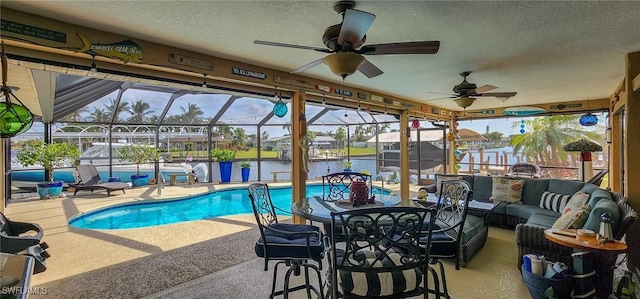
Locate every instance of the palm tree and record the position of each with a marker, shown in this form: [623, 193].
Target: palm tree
[111, 109]
[223, 130]
[98, 116]
[341, 134]
[239, 138]
[192, 114]
[544, 138]
[139, 112]
[75, 116]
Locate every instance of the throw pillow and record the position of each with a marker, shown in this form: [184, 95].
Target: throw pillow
[554, 201]
[574, 219]
[443, 178]
[507, 190]
[577, 201]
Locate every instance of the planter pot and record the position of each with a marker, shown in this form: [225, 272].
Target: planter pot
[139, 180]
[46, 189]
[245, 174]
[225, 171]
[539, 285]
[347, 170]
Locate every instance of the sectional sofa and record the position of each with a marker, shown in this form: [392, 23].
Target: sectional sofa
[530, 219]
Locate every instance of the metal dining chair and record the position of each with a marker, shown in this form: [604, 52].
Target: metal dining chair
[448, 227]
[381, 256]
[290, 244]
[335, 186]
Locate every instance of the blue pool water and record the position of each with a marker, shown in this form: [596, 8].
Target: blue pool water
[203, 206]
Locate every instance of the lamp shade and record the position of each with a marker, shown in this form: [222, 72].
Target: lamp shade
[588, 120]
[582, 145]
[464, 102]
[343, 64]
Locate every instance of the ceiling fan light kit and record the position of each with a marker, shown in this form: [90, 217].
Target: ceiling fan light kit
[464, 102]
[343, 64]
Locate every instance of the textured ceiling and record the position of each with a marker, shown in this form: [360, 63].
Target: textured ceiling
[546, 51]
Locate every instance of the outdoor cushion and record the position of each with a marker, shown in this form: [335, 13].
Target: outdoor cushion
[533, 189]
[573, 220]
[292, 244]
[506, 189]
[576, 201]
[564, 186]
[376, 284]
[542, 220]
[525, 211]
[482, 187]
[472, 226]
[597, 195]
[554, 201]
[603, 206]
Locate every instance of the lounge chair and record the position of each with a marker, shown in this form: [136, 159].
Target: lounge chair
[90, 180]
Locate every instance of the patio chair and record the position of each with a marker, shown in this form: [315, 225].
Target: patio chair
[290, 244]
[335, 186]
[447, 233]
[23, 238]
[524, 169]
[90, 180]
[382, 257]
[597, 179]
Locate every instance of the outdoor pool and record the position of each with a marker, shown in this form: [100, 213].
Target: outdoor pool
[203, 206]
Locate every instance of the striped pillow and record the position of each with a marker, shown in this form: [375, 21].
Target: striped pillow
[554, 201]
[378, 284]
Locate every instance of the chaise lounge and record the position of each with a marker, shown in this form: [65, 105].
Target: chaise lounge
[90, 180]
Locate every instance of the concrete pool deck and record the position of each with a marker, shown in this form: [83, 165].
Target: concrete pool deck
[78, 253]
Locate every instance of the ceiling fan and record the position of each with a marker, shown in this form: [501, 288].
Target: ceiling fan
[466, 93]
[345, 41]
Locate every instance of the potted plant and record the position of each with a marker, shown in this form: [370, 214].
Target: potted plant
[138, 154]
[225, 159]
[245, 168]
[49, 156]
[347, 165]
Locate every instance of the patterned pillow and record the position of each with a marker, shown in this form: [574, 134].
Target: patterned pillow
[444, 178]
[577, 201]
[383, 283]
[554, 201]
[574, 219]
[507, 190]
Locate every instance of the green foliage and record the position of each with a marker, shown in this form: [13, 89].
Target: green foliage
[365, 171]
[223, 155]
[49, 156]
[139, 153]
[245, 164]
[347, 164]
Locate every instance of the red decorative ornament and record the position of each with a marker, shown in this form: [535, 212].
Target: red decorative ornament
[367, 109]
[456, 124]
[359, 193]
[415, 124]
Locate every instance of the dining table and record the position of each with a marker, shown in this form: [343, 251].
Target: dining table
[315, 208]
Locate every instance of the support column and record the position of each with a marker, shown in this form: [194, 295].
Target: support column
[631, 158]
[299, 156]
[405, 133]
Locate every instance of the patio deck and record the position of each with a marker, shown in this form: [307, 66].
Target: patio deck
[210, 258]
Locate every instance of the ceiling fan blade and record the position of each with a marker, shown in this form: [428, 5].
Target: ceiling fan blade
[443, 98]
[355, 25]
[480, 90]
[497, 94]
[267, 43]
[424, 47]
[308, 66]
[369, 69]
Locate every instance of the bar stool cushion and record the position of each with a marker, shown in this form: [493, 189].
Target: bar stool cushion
[290, 244]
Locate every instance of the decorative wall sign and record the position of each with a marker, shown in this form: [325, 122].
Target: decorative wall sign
[290, 81]
[388, 101]
[38, 32]
[190, 61]
[490, 111]
[343, 92]
[362, 95]
[564, 106]
[435, 111]
[126, 50]
[248, 73]
[377, 98]
[324, 88]
[523, 110]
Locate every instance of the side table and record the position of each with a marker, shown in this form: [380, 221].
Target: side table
[584, 273]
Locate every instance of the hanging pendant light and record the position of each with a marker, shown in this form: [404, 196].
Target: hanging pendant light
[94, 68]
[14, 119]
